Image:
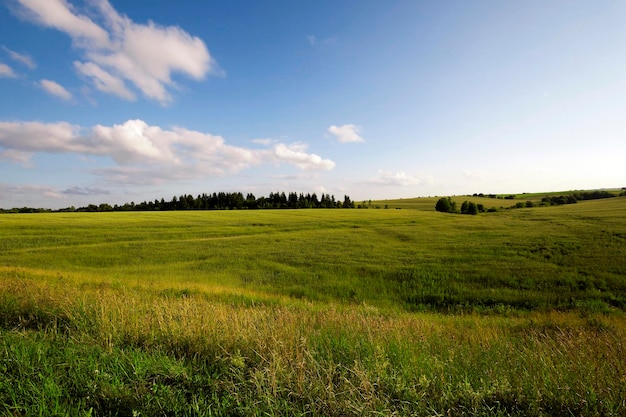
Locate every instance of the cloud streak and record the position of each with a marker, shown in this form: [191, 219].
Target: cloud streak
[149, 154]
[6, 71]
[24, 59]
[55, 89]
[116, 51]
[85, 191]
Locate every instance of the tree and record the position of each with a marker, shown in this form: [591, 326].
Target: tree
[444, 205]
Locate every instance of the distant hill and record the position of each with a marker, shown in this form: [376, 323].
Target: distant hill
[488, 200]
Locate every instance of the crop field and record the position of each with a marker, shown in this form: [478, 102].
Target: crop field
[315, 312]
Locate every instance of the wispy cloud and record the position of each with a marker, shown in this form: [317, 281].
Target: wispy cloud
[346, 133]
[6, 71]
[150, 154]
[115, 50]
[400, 179]
[24, 59]
[85, 191]
[475, 174]
[21, 195]
[104, 81]
[264, 141]
[55, 89]
[314, 40]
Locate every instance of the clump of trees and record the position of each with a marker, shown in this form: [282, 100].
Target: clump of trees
[447, 205]
[469, 207]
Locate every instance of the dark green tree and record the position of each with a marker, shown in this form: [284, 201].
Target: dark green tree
[444, 205]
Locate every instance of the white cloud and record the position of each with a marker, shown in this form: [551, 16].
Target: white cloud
[117, 50]
[56, 89]
[59, 14]
[400, 178]
[40, 137]
[346, 133]
[295, 154]
[149, 154]
[311, 39]
[24, 59]
[104, 81]
[6, 71]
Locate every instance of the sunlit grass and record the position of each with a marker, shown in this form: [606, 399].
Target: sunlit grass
[314, 312]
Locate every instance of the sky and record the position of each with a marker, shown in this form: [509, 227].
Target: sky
[118, 101]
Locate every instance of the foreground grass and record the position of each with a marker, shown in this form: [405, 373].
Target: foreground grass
[102, 350]
[314, 313]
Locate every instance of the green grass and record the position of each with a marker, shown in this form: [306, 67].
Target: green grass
[315, 312]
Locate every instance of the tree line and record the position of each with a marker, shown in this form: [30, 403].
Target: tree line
[215, 201]
[578, 196]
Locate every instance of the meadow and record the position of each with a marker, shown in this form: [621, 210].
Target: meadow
[315, 312]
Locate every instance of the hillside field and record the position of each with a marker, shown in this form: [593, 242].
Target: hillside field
[316, 312]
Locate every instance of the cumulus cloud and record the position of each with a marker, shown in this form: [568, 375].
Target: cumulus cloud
[149, 154]
[346, 133]
[56, 89]
[115, 50]
[400, 178]
[24, 59]
[6, 71]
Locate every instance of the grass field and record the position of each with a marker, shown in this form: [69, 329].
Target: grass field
[315, 312]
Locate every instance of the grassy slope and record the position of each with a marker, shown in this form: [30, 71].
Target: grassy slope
[545, 257]
[294, 312]
[428, 203]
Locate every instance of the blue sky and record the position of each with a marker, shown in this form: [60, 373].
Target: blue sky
[118, 101]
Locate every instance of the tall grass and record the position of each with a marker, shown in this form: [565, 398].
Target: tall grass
[110, 350]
